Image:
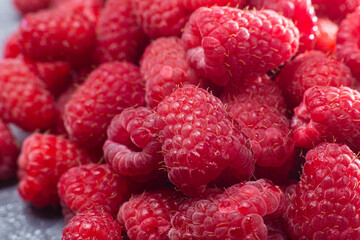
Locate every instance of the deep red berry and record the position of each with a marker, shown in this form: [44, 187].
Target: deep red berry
[326, 35]
[148, 215]
[326, 202]
[119, 36]
[94, 225]
[108, 90]
[92, 186]
[226, 43]
[328, 114]
[43, 159]
[9, 151]
[336, 10]
[24, 100]
[26, 6]
[164, 67]
[348, 43]
[192, 5]
[200, 139]
[12, 47]
[311, 69]
[160, 18]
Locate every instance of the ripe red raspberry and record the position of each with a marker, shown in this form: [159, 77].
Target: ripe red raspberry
[226, 43]
[24, 100]
[11, 47]
[326, 36]
[328, 114]
[9, 151]
[50, 35]
[92, 186]
[43, 159]
[26, 6]
[119, 37]
[311, 69]
[192, 5]
[108, 90]
[133, 148]
[326, 202]
[200, 139]
[235, 214]
[348, 43]
[164, 67]
[147, 215]
[160, 18]
[92, 224]
[336, 10]
[301, 12]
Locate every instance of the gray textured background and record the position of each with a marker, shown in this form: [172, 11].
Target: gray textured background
[19, 220]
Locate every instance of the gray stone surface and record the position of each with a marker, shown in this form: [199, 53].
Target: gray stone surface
[19, 220]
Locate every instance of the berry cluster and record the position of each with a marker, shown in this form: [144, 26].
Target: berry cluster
[186, 119]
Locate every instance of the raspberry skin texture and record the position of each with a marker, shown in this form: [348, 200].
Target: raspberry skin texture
[161, 18]
[301, 12]
[35, 109]
[11, 47]
[268, 130]
[133, 148]
[335, 10]
[92, 186]
[119, 36]
[347, 43]
[26, 6]
[200, 139]
[42, 161]
[92, 224]
[325, 204]
[9, 151]
[311, 69]
[52, 35]
[192, 5]
[225, 43]
[327, 114]
[108, 90]
[326, 35]
[148, 215]
[164, 67]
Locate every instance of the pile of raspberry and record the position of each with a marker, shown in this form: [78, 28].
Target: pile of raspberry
[186, 119]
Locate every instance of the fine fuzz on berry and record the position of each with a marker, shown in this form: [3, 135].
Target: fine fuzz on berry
[200, 139]
[43, 159]
[225, 43]
[326, 202]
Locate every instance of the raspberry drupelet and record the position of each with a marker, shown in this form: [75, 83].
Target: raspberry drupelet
[9, 151]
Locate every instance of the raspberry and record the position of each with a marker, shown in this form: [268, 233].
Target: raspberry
[312, 69]
[336, 10]
[51, 35]
[147, 215]
[12, 46]
[43, 159]
[35, 109]
[226, 43]
[164, 67]
[26, 6]
[92, 224]
[279, 175]
[108, 90]
[326, 202]
[92, 186]
[235, 214]
[275, 230]
[327, 114]
[326, 36]
[301, 12]
[348, 43]
[192, 5]
[9, 151]
[160, 18]
[133, 148]
[200, 139]
[119, 36]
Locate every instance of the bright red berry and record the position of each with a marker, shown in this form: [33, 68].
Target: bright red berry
[226, 43]
[108, 90]
[200, 139]
[326, 201]
[192, 5]
[326, 35]
[43, 159]
[9, 151]
[26, 6]
[12, 47]
[164, 67]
